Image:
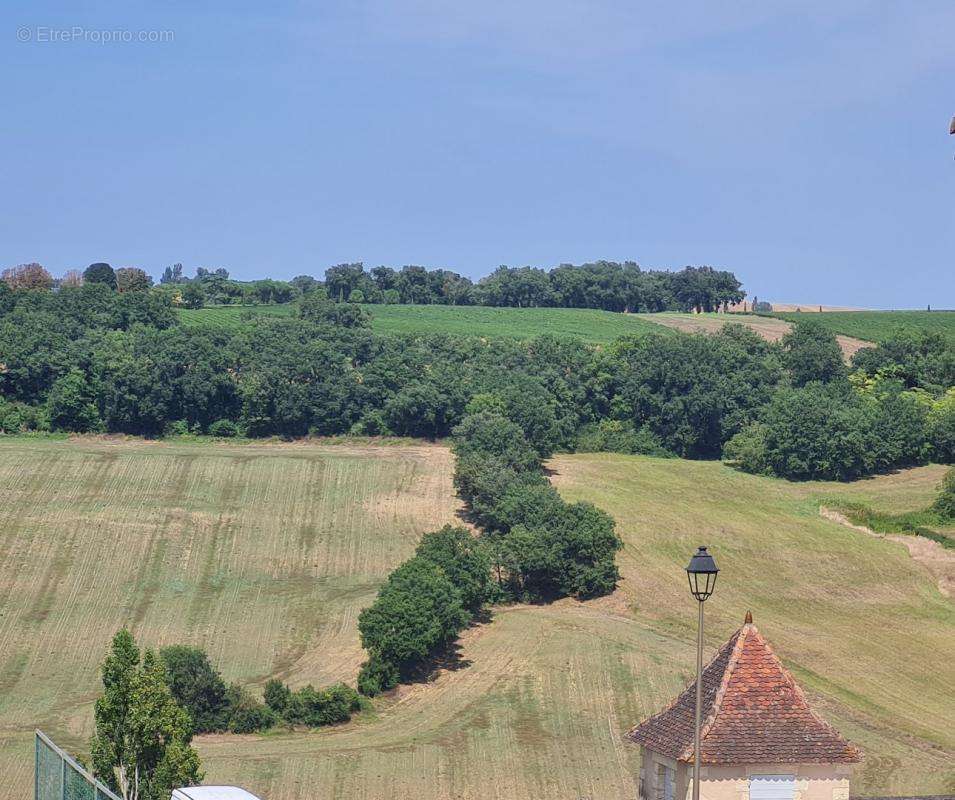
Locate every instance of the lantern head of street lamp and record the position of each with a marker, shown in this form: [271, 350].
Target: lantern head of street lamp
[701, 572]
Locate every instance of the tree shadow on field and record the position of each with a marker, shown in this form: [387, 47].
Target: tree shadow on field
[447, 658]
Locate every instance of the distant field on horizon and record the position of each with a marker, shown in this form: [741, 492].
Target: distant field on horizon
[590, 325]
[874, 326]
[264, 553]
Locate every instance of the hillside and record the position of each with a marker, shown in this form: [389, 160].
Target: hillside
[875, 326]
[264, 553]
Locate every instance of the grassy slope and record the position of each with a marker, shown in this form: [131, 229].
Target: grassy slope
[861, 625]
[265, 553]
[877, 325]
[262, 554]
[521, 323]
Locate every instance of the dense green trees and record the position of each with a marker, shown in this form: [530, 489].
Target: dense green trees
[197, 687]
[541, 547]
[692, 392]
[832, 432]
[920, 359]
[417, 611]
[88, 358]
[464, 561]
[606, 285]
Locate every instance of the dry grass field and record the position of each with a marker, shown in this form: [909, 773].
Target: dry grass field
[770, 328]
[264, 553]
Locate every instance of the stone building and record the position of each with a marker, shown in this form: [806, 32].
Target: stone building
[760, 740]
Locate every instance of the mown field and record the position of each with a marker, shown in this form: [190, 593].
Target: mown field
[875, 326]
[264, 554]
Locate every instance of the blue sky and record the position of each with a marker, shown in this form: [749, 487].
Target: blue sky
[803, 145]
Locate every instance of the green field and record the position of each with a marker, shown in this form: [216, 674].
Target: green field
[520, 323]
[265, 553]
[230, 318]
[874, 326]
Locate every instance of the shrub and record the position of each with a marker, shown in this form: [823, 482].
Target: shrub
[372, 423]
[317, 707]
[179, 427]
[248, 714]
[377, 676]
[944, 505]
[277, 696]
[71, 405]
[620, 436]
[224, 428]
[747, 450]
[19, 417]
[941, 428]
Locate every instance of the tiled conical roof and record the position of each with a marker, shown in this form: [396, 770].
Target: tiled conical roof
[753, 713]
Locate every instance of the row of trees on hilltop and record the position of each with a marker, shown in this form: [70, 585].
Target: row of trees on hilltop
[605, 285]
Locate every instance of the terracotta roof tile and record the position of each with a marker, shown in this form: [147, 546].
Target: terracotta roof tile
[753, 713]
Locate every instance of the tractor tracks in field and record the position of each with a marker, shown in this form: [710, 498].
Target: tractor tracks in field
[935, 559]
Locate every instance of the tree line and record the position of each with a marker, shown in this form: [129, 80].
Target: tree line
[90, 359]
[607, 285]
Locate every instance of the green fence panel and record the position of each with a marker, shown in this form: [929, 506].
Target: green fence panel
[59, 777]
[49, 772]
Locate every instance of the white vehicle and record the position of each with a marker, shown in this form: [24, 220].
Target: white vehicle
[212, 793]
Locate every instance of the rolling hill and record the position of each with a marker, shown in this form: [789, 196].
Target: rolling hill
[264, 553]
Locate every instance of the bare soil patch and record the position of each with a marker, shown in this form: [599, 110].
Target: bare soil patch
[769, 328]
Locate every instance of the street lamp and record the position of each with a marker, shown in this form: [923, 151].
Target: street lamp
[701, 573]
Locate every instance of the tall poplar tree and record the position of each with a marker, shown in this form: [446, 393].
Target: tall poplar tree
[141, 746]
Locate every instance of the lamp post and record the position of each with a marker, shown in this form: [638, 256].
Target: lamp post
[701, 572]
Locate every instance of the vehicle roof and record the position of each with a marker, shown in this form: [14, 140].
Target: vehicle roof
[212, 793]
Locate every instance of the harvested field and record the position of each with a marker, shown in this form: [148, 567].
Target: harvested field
[770, 328]
[262, 554]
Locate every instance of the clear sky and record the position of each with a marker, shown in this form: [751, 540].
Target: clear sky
[803, 145]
